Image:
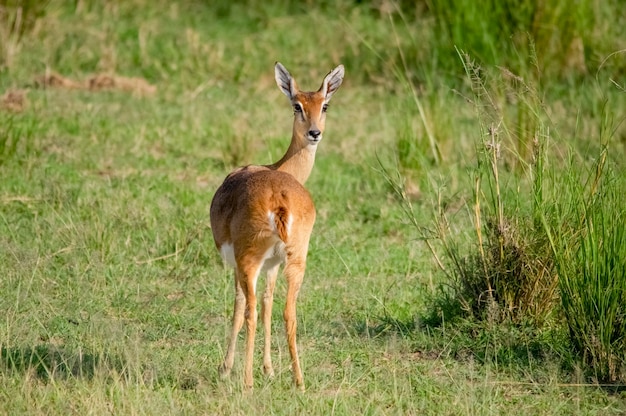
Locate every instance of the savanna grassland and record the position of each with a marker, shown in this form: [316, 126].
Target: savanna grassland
[469, 253]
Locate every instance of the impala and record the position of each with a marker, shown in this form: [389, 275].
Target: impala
[262, 216]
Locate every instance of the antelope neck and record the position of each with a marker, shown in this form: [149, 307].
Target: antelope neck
[298, 161]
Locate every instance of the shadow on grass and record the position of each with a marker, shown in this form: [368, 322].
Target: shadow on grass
[443, 309]
[384, 326]
[49, 361]
[445, 331]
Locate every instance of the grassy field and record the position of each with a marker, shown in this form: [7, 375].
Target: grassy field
[119, 121]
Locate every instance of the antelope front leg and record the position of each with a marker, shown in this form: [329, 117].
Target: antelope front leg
[266, 316]
[240, 303]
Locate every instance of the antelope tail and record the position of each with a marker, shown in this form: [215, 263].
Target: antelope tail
[282, 223]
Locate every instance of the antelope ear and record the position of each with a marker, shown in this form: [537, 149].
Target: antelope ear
[332, 82]
[285, 81]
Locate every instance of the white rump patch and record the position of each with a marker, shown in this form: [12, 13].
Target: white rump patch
[289, 224]
[271, 218]
[228, 254]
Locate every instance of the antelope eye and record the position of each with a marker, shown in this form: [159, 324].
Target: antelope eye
[297, 108]
[325, 108]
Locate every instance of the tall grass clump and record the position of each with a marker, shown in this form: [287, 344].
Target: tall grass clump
[547, 244]
[505, 273]
[505, 270]
[502, 270]
[589, 243]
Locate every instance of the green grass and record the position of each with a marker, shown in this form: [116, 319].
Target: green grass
[114, 298]
[589, 243]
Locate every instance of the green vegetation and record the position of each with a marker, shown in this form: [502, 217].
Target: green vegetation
[589, 244]
[469, 252]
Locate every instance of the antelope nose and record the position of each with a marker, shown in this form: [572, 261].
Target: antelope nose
[314, 133]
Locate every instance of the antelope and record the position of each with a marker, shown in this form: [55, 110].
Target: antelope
[262, 217]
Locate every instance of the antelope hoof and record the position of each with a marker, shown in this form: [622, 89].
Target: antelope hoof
[268, 371]
[223, 371]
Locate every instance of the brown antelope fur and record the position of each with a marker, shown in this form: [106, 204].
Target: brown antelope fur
[262, 216]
